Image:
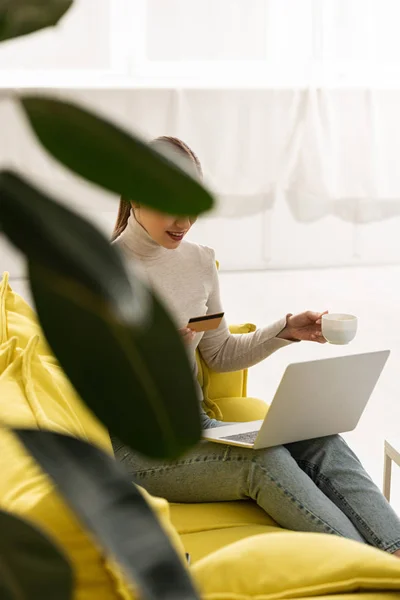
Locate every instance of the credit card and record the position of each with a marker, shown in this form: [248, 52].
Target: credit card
[206, 322]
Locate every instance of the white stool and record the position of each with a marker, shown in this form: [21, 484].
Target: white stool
[391, 454]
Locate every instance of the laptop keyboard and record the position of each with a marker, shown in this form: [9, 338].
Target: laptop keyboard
[247, 438]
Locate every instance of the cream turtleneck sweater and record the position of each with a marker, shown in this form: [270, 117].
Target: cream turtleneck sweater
[187, 280]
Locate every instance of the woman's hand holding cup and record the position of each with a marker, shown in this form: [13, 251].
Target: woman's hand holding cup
[320, 327]
[305, 326]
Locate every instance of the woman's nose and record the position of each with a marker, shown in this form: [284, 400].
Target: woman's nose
[183, 223]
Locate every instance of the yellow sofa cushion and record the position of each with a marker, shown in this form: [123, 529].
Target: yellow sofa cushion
[17, 319]
[207, 527]
[7, 353]
[294, 565]
[30, 397]
[380, 595]
[51, 401]
[34, 392]
[26, 491]
[193, 518]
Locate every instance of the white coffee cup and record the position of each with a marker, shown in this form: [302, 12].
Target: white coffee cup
[339, 328]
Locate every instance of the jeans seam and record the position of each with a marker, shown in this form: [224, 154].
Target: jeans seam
[391, 548]
[355, 514]
[182, 463]
[309, 514]
[323, 478]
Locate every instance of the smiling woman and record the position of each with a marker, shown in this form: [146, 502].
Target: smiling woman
[167, 231]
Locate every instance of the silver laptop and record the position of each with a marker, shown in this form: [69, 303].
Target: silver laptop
[314, 399]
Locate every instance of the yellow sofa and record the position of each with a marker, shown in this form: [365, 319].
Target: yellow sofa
[238, 552]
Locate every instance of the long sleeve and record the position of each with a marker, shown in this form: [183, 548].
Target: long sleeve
[223, 351]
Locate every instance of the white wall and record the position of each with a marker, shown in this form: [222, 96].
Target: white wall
[82, 43]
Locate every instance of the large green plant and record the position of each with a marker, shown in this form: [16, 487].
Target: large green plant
[113, 337]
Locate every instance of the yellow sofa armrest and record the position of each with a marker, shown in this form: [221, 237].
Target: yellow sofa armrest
[241, 409]
[225, 394]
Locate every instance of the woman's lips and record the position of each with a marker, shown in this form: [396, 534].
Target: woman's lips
[177, 236]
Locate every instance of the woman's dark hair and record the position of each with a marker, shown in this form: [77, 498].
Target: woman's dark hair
[124, 205]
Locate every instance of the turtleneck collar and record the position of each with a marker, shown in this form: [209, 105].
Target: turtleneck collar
[139, 242]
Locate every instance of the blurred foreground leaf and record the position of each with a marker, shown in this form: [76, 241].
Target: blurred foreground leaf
[112, 336]
[21, 17]
[31, 566]
[107, 155]
[114, 510]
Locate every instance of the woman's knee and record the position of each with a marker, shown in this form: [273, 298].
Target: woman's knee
[325, 452]
[333, 445]
[275, 460]
[328, 441]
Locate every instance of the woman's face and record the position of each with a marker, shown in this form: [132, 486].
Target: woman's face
[167, 231]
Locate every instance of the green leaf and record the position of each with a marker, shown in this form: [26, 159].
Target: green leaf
[113, 509]
[5, 592]
[112, 336]
[138, 382]
[31, 566]
[21, 17]
[50, 234]
[103, 153]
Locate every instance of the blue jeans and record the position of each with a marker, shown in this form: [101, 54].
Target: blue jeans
[317, 485]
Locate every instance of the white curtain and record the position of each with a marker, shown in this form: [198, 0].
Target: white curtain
[347, 160]
[296, 186]
[332, 152]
